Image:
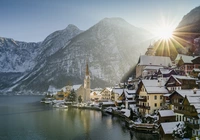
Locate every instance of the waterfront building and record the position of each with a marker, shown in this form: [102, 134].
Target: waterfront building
[63, 93]
[106, 94]
[86, 97]
[95, 94]
[149, 96]
[166, 116]
[166, 130]
[79, 90]
[116, 93]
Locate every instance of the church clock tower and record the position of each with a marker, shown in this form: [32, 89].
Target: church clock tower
[87, 84]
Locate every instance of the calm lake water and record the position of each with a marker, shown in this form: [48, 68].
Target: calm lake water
[25, 118]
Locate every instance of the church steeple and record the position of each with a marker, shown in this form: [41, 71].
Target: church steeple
[87, 70]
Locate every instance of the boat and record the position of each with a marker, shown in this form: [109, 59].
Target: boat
[60, 105]
[48, 100]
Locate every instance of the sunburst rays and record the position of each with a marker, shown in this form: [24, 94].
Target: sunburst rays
[169, 42]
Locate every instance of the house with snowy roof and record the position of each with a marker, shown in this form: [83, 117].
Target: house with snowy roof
[165, 73]
[127, 97]
[166, 129]
[116, 93]
[95, 94]
[149, 96]
[178, 82]
[187, 63]
[106, 94]
[166, 116]
[191, 111]
[155, 61]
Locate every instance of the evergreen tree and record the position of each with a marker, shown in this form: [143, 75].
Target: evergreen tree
[72, 96]
[79, 99]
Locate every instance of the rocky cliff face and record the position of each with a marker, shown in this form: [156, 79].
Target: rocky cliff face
[111, 48]
[188, 29]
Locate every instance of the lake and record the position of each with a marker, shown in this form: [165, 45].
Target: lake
[25, 118]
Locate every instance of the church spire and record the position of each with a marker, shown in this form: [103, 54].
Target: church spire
[87, 70]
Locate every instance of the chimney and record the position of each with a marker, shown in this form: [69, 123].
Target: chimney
[195, 90]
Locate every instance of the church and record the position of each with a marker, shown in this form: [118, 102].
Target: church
[83, 91]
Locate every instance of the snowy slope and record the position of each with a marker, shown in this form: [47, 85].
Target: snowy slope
[110, 47]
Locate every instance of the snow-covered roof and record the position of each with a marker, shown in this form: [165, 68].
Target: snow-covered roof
[108, 103]
[118, 91]
[185, 58]
[188, 92]
[166, 113]
[168, 127]
[75, 87]
[152, 83]
[109, 89]
[156, 90]
[152, 67]
[196, 70]
[127, 112]
[154, 86]
[165, 71]
[155, 60]
[167, 95]
[193, 99]
[183, 77]
[129, 93]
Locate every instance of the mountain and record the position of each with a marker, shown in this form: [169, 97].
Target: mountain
[189, 28]
[110, 47]
[19, 58]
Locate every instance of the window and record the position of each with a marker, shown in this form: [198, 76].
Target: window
[155, 97]
[160, 97]
[147, 97]
[155, 104]
[160, 104]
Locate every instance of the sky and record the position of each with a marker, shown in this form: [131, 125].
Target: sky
[34, 20]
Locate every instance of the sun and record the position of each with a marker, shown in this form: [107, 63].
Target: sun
[164, 32]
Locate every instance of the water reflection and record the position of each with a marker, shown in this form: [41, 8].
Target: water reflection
[25, 118]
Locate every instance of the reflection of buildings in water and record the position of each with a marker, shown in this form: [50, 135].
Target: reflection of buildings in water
[134, 135]
[85, 119]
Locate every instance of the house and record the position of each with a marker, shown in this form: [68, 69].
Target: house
[191, 111]
[127, 97]
[145, 60]
[95, 95]
[184, 62]
[176, 99]
[106, 94]
[177, 82]
[195, 72]
[150, 70]
[63, 93]
[166, 73]
[166, 116]
[149, 96]
[79, 90]
[116, 93]
[166, 130]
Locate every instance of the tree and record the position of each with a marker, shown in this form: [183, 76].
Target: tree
[79, 99]
[72, 96]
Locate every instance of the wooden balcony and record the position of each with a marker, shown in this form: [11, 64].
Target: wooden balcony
[142, 99]
[143, 107]
[186, 113]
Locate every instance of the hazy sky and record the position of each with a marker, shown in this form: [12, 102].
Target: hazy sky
[33, 20]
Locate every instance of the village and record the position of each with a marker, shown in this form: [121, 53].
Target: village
[164, 98]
